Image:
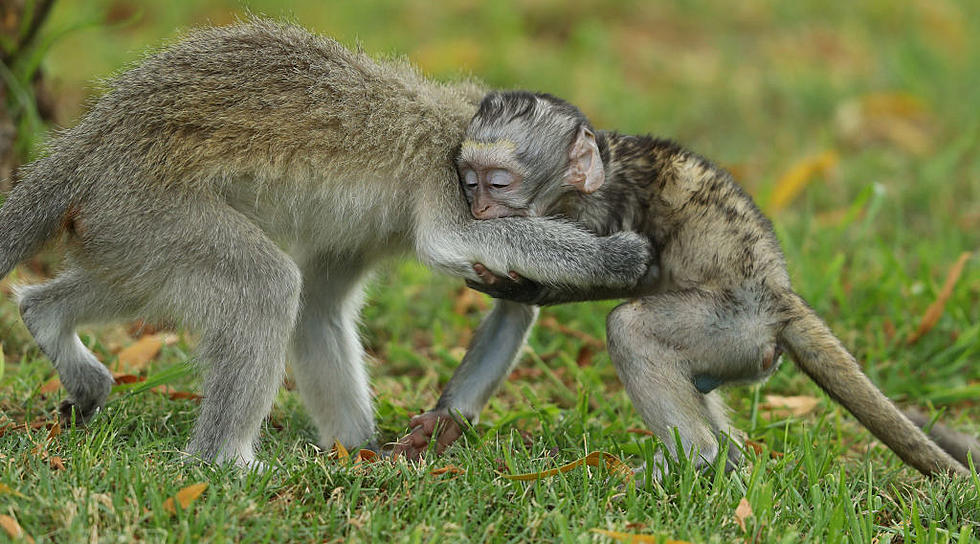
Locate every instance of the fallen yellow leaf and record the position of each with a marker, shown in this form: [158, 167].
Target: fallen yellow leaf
[935, 310]
[7, 490]
[343, 456]
[610, 461]
[184, 497]
[452, 469]
[798, 176]
[742, 512]
[786, 406]
[135, 356]
[629, 537]
[13, 528]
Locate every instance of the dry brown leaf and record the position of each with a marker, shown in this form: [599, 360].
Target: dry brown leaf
[184, 497]
[637, 430]
[935, 310]
[585, 355]
[451, 469]
[134, 357]
[56, 462]
[366, 456]
[786, 406]
[629, 537]
[792, 183]
[128, 378]
[174, 394]
[758, 448]
[13, 528]
[50, 386]
[742, 512]
[54, 431]
[610, 461]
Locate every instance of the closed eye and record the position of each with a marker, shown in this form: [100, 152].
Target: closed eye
[500, 179]
[469, 178]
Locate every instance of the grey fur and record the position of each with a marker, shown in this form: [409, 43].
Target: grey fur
[721, 309]
[243, 182]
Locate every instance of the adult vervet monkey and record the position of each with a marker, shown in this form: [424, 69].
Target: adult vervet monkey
[243, 182]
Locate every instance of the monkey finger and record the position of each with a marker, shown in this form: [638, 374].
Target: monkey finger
[486, 276]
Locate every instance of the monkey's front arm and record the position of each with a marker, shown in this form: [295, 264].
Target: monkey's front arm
[491, 354]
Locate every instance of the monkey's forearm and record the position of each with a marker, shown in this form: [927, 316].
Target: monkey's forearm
[549, 251]
[518, 289]
[490, 356]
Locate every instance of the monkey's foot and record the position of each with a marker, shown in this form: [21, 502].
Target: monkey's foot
[438, 422]
[70, 412]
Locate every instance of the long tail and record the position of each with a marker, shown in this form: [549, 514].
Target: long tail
[957, 444]
[32, 213]
[822, 357]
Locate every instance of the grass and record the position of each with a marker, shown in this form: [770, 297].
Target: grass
[890, 89]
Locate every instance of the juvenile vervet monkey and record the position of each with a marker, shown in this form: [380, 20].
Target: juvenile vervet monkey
[242, 183]
[721, 310]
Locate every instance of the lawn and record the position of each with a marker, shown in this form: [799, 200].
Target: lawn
[856, 127]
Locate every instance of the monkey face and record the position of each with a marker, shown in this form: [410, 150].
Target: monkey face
[523, 151]
[493, 180]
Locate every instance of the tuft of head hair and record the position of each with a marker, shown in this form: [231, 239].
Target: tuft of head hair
[540, 126]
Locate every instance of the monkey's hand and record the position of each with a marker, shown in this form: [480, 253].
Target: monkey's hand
[626, 254]
[440, 423]
[509, 287]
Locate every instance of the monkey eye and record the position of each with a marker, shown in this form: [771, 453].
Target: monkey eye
[469, 178]
[500, 179]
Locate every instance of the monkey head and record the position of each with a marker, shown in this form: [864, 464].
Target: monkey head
[523, 151]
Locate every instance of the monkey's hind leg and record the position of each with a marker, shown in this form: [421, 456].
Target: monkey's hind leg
[670, 351]
[327, 357]
[225, 278]
[51, 311]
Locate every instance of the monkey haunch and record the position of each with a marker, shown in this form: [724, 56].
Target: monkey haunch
[720, 311]
[243, 183]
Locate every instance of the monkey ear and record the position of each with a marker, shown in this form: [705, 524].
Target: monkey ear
[585, 172]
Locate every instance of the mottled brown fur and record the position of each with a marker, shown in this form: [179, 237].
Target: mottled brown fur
[722, 307]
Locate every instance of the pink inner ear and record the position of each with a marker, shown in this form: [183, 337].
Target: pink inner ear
[585, 172]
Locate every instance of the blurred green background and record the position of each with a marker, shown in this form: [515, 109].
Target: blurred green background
[856, 125]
